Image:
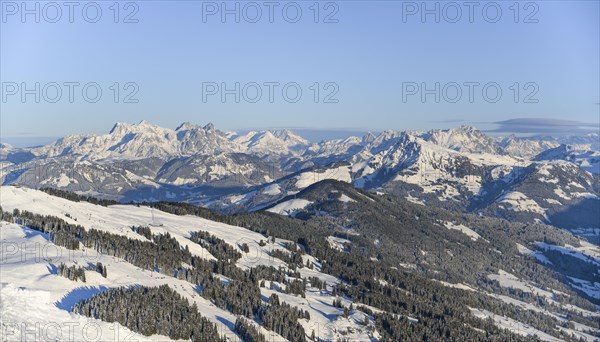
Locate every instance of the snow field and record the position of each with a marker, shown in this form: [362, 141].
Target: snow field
[28, 268]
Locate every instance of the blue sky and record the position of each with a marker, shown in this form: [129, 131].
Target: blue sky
[370, 58]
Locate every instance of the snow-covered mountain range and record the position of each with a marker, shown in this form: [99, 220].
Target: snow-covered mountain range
[379, 237]
[541, 179]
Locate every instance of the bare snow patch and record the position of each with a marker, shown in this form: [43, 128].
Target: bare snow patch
[463, 229]
[518, 201]
[461, 286]
[587, 252]
[338, 243]
[590, 288]
[272, 190]
[512, 325]
[290, 206]
[511, 281]
[414, 200]
[523, 250]
[346, 199]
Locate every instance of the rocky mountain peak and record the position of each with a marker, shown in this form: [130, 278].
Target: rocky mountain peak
[209, 127]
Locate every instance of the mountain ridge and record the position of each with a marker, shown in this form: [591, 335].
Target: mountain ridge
[460, 169]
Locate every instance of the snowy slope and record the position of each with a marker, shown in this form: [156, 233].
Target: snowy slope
[33, 293]
[463, 139]
[585, 159]
[525, 148]
[30, 284]
[289, 206]
[284, 142]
